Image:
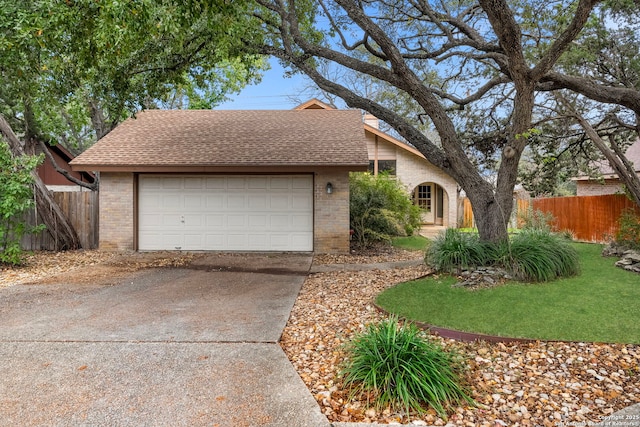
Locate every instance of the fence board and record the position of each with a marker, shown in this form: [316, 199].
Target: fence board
[589, 218]
[80, 208]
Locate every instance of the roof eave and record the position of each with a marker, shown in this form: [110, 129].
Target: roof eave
[300, 168]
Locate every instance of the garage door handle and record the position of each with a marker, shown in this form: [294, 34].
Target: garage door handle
[182, 219]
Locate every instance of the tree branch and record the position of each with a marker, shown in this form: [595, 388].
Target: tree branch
[91, 186]
[561, 44]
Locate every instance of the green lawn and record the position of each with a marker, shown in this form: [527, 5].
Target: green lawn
[411, 243]
[602, 304]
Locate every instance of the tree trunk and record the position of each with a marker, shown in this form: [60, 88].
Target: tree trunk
[492, 220]
[56, 222]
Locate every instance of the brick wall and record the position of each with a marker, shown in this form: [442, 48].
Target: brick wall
[598, 188]
[116, 211]
[331, 213]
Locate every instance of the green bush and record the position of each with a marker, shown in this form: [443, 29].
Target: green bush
[15, 200]
[380, 208]
[401, 368]
[538, 256]
[628, 234]
[453, 251]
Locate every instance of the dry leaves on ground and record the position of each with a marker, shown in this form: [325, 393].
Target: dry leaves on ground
[87, 266]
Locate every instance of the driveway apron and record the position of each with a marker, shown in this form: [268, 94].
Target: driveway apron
[165, 347]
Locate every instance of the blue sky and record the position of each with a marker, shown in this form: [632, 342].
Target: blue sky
[271, 94]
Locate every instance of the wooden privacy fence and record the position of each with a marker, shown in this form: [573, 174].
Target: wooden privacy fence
[589, 218]
[81, 208]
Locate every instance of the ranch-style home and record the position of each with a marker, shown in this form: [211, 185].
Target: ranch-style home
[259, 180]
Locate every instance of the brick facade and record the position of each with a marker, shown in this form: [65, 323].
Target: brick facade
[116, 212]
[331, 213]
[413, 170]
[598, 188]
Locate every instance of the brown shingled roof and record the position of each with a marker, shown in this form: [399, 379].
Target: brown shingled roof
[632, 154]
[224, 138]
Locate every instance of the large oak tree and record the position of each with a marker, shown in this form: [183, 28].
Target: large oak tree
[501, 66]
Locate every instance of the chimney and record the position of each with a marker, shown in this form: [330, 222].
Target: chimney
[371, 120]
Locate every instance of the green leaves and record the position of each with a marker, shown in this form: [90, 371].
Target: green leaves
[380, 208]
[15, 201]
[119, 56]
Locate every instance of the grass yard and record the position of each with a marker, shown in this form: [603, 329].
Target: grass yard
[600, 305]
[411, 243]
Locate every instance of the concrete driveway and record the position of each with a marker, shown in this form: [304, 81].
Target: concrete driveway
[164, 347]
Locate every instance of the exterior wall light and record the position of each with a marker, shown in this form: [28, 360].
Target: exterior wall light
[329, 188]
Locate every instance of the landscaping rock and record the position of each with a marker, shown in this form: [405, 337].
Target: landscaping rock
[630, 261]
[525, 384]
[482, 277]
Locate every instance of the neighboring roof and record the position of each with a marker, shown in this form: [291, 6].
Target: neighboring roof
[632, 154]
[209, 139]
[66, 156]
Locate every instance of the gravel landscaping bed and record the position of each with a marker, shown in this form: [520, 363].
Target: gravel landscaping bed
[538, 384]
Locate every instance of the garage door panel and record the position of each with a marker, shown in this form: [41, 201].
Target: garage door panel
[215, 221]
[235, 201]
[278, 201]
[301, 183]
[258, 202]
[172, 203]
[172, 183]
[215, 183]
[193, 201]
[258, 183]
[236, 183]
[242, 213]
[214, 202]
[192, 183]
[301, 202]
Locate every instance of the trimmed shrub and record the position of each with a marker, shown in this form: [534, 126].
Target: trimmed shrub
[399, 367]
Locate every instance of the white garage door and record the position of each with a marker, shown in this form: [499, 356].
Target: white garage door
[236, 213]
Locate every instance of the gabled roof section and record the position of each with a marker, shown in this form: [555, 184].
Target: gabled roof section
[632, 154]
[314, 104]
[317, 104]
[225, 138]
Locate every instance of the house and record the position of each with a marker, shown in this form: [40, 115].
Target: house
[54, 180]
[228, 180]
[608, 183]
[430, 187]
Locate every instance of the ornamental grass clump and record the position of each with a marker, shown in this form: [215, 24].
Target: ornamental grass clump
[540, 256]
[397, 366]
[454, 251]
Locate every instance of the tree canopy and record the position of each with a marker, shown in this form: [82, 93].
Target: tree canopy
[487, 75]
[72, 70]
